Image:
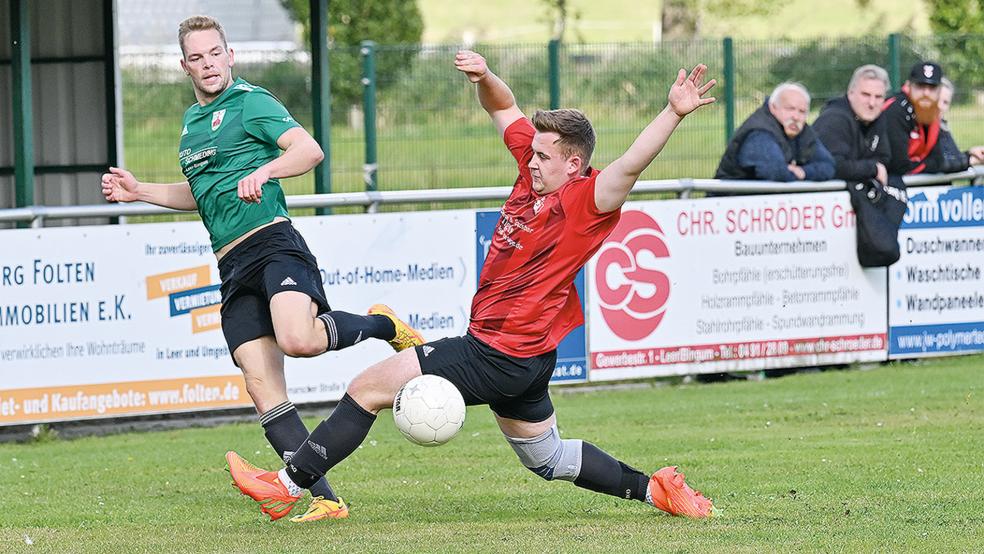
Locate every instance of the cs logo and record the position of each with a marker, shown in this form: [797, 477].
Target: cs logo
[633, 293]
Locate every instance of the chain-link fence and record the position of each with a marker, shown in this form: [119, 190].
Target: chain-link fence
[428, 131]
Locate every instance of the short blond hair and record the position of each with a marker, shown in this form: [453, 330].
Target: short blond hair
[577, 136]
[199, 23]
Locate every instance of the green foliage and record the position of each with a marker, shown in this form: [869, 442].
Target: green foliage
[825, 66]
[956, 16]
[350, 22]
[960, 54]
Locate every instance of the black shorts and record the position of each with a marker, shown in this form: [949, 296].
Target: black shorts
[515, 388]
[272, 260]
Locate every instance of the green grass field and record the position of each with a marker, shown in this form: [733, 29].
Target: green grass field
[886, 459]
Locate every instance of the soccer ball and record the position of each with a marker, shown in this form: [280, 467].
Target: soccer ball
[429, 410]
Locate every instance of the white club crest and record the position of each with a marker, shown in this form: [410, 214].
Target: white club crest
[217, 119]
[928, 71]
[537, 205]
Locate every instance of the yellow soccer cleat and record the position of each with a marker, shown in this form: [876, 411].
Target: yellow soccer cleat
[406, 336]
[262, 486]
[323, 509]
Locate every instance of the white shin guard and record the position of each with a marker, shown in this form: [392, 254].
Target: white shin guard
[548, 456]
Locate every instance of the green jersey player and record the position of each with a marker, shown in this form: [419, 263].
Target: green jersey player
[236, 142]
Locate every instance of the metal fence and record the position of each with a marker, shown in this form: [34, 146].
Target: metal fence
[403, 118]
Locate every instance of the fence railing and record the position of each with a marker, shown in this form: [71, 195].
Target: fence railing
[404, 118]
[371, 200]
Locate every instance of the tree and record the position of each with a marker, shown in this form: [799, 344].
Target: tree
[956, 16]
[559, 12]
[681, 19]
[957, 26]
[387, 22]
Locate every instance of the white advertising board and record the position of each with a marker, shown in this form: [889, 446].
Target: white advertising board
[936, 301]
[123, 320]
[730, 284]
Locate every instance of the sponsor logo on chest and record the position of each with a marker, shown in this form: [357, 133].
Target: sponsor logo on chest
[217, 119]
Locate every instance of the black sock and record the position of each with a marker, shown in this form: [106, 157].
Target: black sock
[331, 442]
[345, 329]
[602, 473]
[286, 432]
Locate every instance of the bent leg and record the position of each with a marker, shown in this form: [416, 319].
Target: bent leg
[542, 451]
[302, 333]
[262, 364]
[335, 438]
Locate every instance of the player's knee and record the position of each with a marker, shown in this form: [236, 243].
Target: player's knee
[299, 346]
[548, 456]
[366, 392]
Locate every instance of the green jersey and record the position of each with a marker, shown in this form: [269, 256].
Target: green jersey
[221, 143]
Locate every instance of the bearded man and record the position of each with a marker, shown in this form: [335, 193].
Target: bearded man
[912, 118]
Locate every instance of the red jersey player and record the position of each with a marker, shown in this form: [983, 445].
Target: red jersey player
[559, 212]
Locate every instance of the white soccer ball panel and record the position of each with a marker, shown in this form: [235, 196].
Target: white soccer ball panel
[422, 434]
[429, 410]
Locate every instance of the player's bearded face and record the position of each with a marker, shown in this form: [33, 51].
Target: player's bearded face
[208, 61]
[550, 168]
[925, 101]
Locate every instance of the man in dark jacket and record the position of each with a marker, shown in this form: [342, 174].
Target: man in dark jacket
[912, 120]
[850, 128]
[776, 144]
[953, 157]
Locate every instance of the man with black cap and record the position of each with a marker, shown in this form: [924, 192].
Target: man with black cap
[913, 124]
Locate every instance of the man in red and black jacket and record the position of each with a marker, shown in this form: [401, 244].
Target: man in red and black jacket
[913, 125]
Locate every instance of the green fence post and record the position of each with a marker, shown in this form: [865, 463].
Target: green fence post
[729, 88]
[553, 57]
[368, 52]
[321, 95]
[895, 60]
[20, 32]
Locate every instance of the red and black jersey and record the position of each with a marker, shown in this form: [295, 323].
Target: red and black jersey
[526, 300]
[917, 148]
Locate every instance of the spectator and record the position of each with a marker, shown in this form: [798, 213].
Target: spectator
[951, 153]
[913, 124]
[776, 144]
[850, 128]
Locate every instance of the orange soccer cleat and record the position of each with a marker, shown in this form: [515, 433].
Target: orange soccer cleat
[406, 336]
[262, 486]
[668, 492]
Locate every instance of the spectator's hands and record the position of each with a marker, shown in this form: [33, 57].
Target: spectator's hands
[119, 185]
[251, 186]
[976, 155]
[797, 171]
[687, 93]
[471, 64]
[881, 174]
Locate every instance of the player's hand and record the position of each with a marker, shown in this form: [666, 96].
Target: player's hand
[119, 185]
[471, 64]
[976, 155]
[687, 93]
[251, 186]
[797, 171]
[881, 174]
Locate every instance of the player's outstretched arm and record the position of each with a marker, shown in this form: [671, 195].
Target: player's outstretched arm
[301, 154]
[493, 93]
[615, 181]
[119, 185]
